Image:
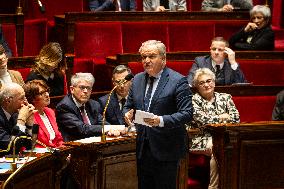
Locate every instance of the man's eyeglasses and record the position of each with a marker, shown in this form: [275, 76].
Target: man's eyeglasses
[82, 87]
[202, 83]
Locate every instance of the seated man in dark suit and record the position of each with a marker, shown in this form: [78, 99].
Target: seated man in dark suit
[16, 116]
[112, 5]
[221, 61]
[117, 100]
[77, 115]
[278, 110]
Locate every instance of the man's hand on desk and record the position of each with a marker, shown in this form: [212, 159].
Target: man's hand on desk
[116, 132]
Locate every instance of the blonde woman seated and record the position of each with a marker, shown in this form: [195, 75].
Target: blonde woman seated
[211, 107]
[37, 93]
[49, 68]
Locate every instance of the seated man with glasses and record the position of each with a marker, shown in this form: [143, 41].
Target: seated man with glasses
[210, 107]
[77, 115]
[221, 61]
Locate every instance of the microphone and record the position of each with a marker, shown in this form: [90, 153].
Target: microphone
[41, 7]
[34, 134]
[127, 78]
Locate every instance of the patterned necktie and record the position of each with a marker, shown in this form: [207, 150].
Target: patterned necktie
[84, 115]
[148, 94]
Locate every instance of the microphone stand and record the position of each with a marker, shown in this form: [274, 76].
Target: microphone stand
[19, 10]
[103, 137]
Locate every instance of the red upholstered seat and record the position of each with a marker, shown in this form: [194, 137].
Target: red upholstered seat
[9, 32]
[135, 33]
[35, 36]
[227, 28]
[263, 72]
[254, 108]
[190, 36]
[97, 40]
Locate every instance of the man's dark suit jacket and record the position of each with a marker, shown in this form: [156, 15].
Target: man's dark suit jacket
[231, 76]
[108, 5]
[70, 121]
[113, 113]
[278, 110]
[263, 39]
[8, 128]
[172, 101]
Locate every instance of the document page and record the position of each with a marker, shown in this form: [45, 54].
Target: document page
[140, 115]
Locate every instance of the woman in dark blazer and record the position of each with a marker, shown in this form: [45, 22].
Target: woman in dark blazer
[257, 34]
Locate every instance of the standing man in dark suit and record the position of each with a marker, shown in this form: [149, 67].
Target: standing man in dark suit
[118, 98]
[166, 94]
[16, 115]
[222, 62]
[112, 5]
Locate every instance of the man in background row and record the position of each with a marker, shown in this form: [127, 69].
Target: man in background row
[118, 98]
[164, 5]
[221, 61]
[278, 110]
[225, 5]
[112, 5]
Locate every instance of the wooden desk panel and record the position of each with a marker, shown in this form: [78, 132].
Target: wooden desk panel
[249, 155]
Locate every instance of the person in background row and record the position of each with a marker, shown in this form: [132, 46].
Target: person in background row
[221, 61]
[37, 93]
[257, 34]
[211, 107]
[4, 44]
[278, 110]
[161, 140]
[118, 98]
[164, 5]
[48, 68]
[112, 5]
[77, 115]
[8, 76]
[16, 116]
[225, 5]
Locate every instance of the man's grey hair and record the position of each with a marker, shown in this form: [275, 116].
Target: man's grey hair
[8, 90]
[154, 43]
[76, 78]
[202, 71]
[120, 69]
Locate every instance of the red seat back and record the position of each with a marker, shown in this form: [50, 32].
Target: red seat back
[9, 32]
[135, 33]
[190, 36]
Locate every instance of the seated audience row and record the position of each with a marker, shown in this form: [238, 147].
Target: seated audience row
[166, 5]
